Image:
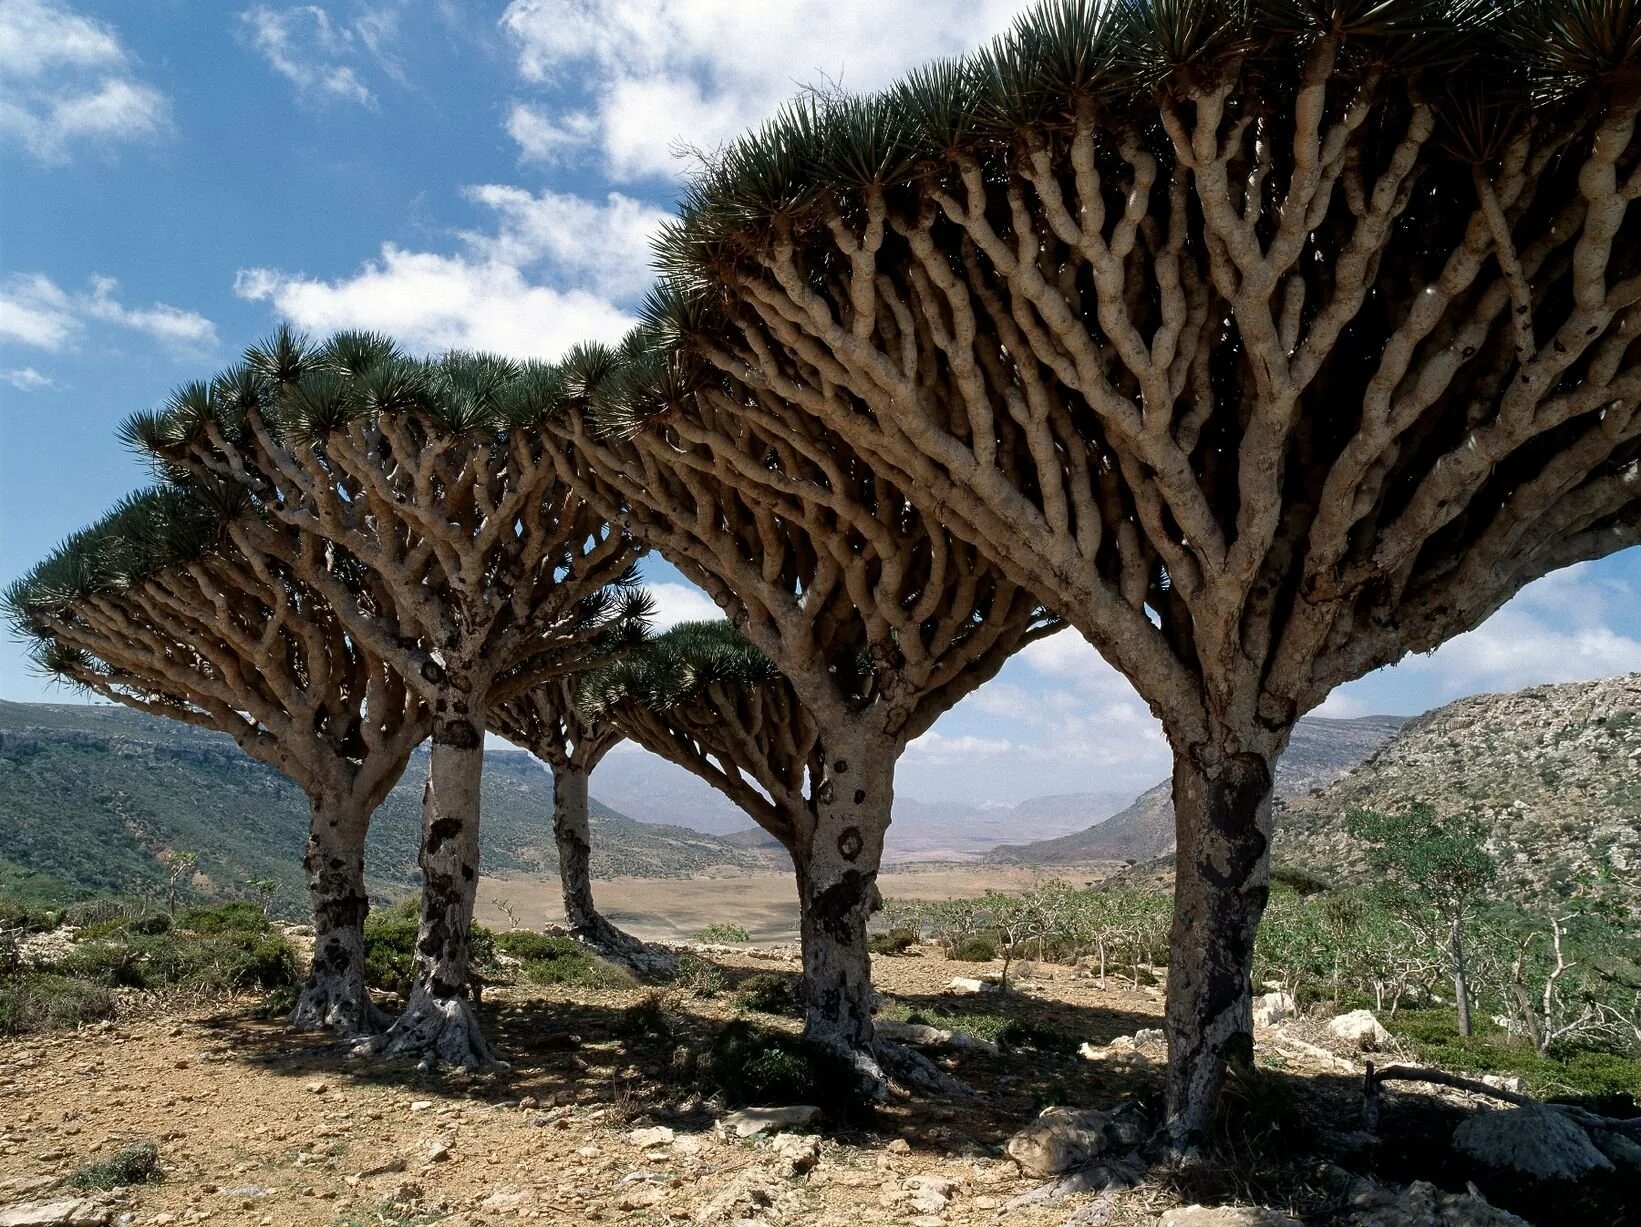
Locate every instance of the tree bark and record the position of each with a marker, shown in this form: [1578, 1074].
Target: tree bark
[1222, 822]
[837, 867]
[1461, 981]
[587, 924]
[335, 997]
[438, 1025]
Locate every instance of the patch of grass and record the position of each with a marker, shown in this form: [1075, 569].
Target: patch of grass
[770, 993]
[1433, 1034]
[714, 933]
[149, 924]
[1008, 1033]
[40, 1001]
[699, 976]
[560, 960]
[137, 1164]
[226, 963]
[236, 917]
[895, 941]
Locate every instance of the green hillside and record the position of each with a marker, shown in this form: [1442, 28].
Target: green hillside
[91, 798]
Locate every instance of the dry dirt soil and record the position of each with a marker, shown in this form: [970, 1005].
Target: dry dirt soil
[765, 904]
[256, 1125]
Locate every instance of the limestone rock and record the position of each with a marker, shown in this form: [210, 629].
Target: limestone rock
[660, 1135]
[968, 984]
[1424, 1205]
[67, 1212]
[1539, 1142]
[1272, 1008]
[1360, 1029]
[1225, 1216]
[1060, 1140]
[750, 1121]
[798, 1152]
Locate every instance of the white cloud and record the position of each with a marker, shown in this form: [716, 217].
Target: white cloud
[317, 54]
[27, 379]
[65, 80]
[940, 749]
[675, 603]
[666, 74]
[491, 294]
[543, 138]
[36, 311]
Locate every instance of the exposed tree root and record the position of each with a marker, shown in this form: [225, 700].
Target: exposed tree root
[917, 1073]
[434, 1031]
[340, 1005]
[649, 963]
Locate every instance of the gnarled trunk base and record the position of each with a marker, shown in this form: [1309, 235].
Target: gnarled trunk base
[437, 1031]
[335, 997]
[837, 868]
[1221, 883]
[572, 835]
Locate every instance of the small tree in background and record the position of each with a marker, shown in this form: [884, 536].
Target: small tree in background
[179, 867]
[265, 889]
[1439, 870]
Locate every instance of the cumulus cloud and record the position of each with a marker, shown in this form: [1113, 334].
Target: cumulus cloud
[675, 603]
[664, 75]
[552, 139]
[938, 749]
[66, 80]
[27, 379]
[552, 272]
[318, 54]
[36, 311]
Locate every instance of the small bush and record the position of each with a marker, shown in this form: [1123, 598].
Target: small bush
[151, 924]
[770, 993]
[560, 960]
[978, 949]
[715, 933]
[138, 1164]
[101, 911]
[236, 917]
[895, 941]
[1009, 1033]
[648, 1019]
[1300, 881]
[753, 1065]
[20, 918]
[699, 976]
[41, 1001]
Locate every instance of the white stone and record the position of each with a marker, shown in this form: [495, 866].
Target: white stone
[1059, 1140]
[68, 1212]
[968, 984]
[750, 1121]
[1272, 1008]
[1360, 1029]
[1539, 1142]
[660, 1135]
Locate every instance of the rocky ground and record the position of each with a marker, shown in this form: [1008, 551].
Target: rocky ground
[254, 1125]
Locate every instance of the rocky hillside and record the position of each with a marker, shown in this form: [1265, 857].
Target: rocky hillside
[1320, 752]
[1554, 772]
[94, 796]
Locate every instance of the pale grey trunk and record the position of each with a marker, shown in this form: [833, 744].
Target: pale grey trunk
[837, 868]
[572, 834]
[438, 1024]
[334, 997]
[1222, 815]
[1461, 980]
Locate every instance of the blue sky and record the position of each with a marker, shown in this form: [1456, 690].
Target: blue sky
[175, 177]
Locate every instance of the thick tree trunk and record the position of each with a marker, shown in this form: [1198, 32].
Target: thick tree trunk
[1222, 822]
[587, 925]
[335, 997]
[438, 1024]
[837, 868]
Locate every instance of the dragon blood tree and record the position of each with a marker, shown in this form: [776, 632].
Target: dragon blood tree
[702, 697]
[876, 616]
[548, 722]
[158, 607]
[490, 576]
[1264, 343]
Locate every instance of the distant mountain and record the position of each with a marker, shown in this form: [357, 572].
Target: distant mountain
[91, 796]
[1320, 751]
[653, 790]
[1554, 772]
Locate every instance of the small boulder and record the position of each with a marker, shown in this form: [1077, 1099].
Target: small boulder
[1538, 1142]
[929, 1194]
[1059, 1140]
[1225, 1216]
[750, 1121]
[1424, 1205]
[968, 984]
[1360, 1030]
[660, 1135]
[67, 1212]
[1272, 1008]
[798, 1152]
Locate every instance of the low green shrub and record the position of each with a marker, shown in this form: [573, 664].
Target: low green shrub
[20, 918]
[650, 1019]
[226, 963]
[715, 933]
[699, 976]
[977, 949]
[749, 1064]
[560, 960]
[1008, 1033]
[149, 924]
[41, 1001]
[770, 993]
[895, 941]
[1582, 1072]
[236, 917]
[137, 1164]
